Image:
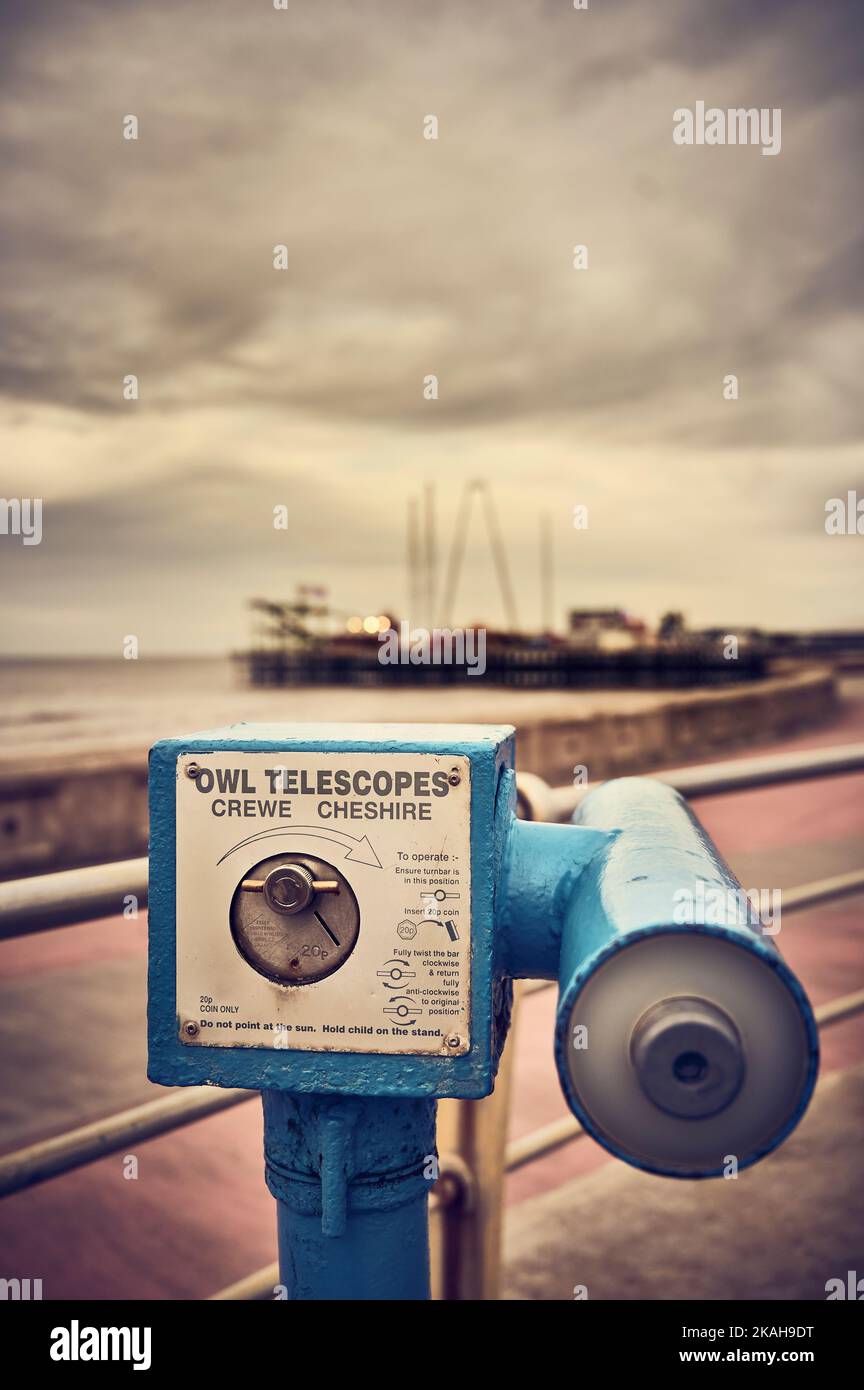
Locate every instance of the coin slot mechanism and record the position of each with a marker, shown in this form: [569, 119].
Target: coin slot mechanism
[294, 918]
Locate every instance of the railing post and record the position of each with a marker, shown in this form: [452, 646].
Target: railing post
[466, 1234]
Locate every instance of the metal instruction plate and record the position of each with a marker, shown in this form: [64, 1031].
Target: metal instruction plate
[324, 901]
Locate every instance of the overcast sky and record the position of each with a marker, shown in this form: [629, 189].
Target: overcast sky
[409, 257]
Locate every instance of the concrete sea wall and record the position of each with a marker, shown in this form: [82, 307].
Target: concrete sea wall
[64, 810]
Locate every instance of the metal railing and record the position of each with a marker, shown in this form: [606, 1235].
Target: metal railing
[47, 1159]
[36, 904]
[541, 802]
[78, 895]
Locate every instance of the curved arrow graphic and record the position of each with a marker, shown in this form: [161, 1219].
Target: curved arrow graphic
[360, 851]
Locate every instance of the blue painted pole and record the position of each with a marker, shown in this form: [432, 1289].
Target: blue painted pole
[351, 1176]
[382, 1255]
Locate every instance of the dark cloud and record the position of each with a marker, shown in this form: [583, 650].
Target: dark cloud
[410, 257]
[406, 256]
[820, 46]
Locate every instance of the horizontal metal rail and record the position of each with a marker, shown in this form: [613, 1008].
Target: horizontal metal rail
[255, 1288]
[540, 802]
[51, 1157]
[822, 890]
[75, 895]
[541, 1141]
[838, 1010]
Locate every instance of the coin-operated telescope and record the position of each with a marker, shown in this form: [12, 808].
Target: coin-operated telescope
[337, 913]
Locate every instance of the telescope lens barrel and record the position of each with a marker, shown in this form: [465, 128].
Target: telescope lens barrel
[685, 1047]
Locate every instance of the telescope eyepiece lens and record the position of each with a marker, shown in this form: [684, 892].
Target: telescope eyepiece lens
[688, 1057]
[690, 1068]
